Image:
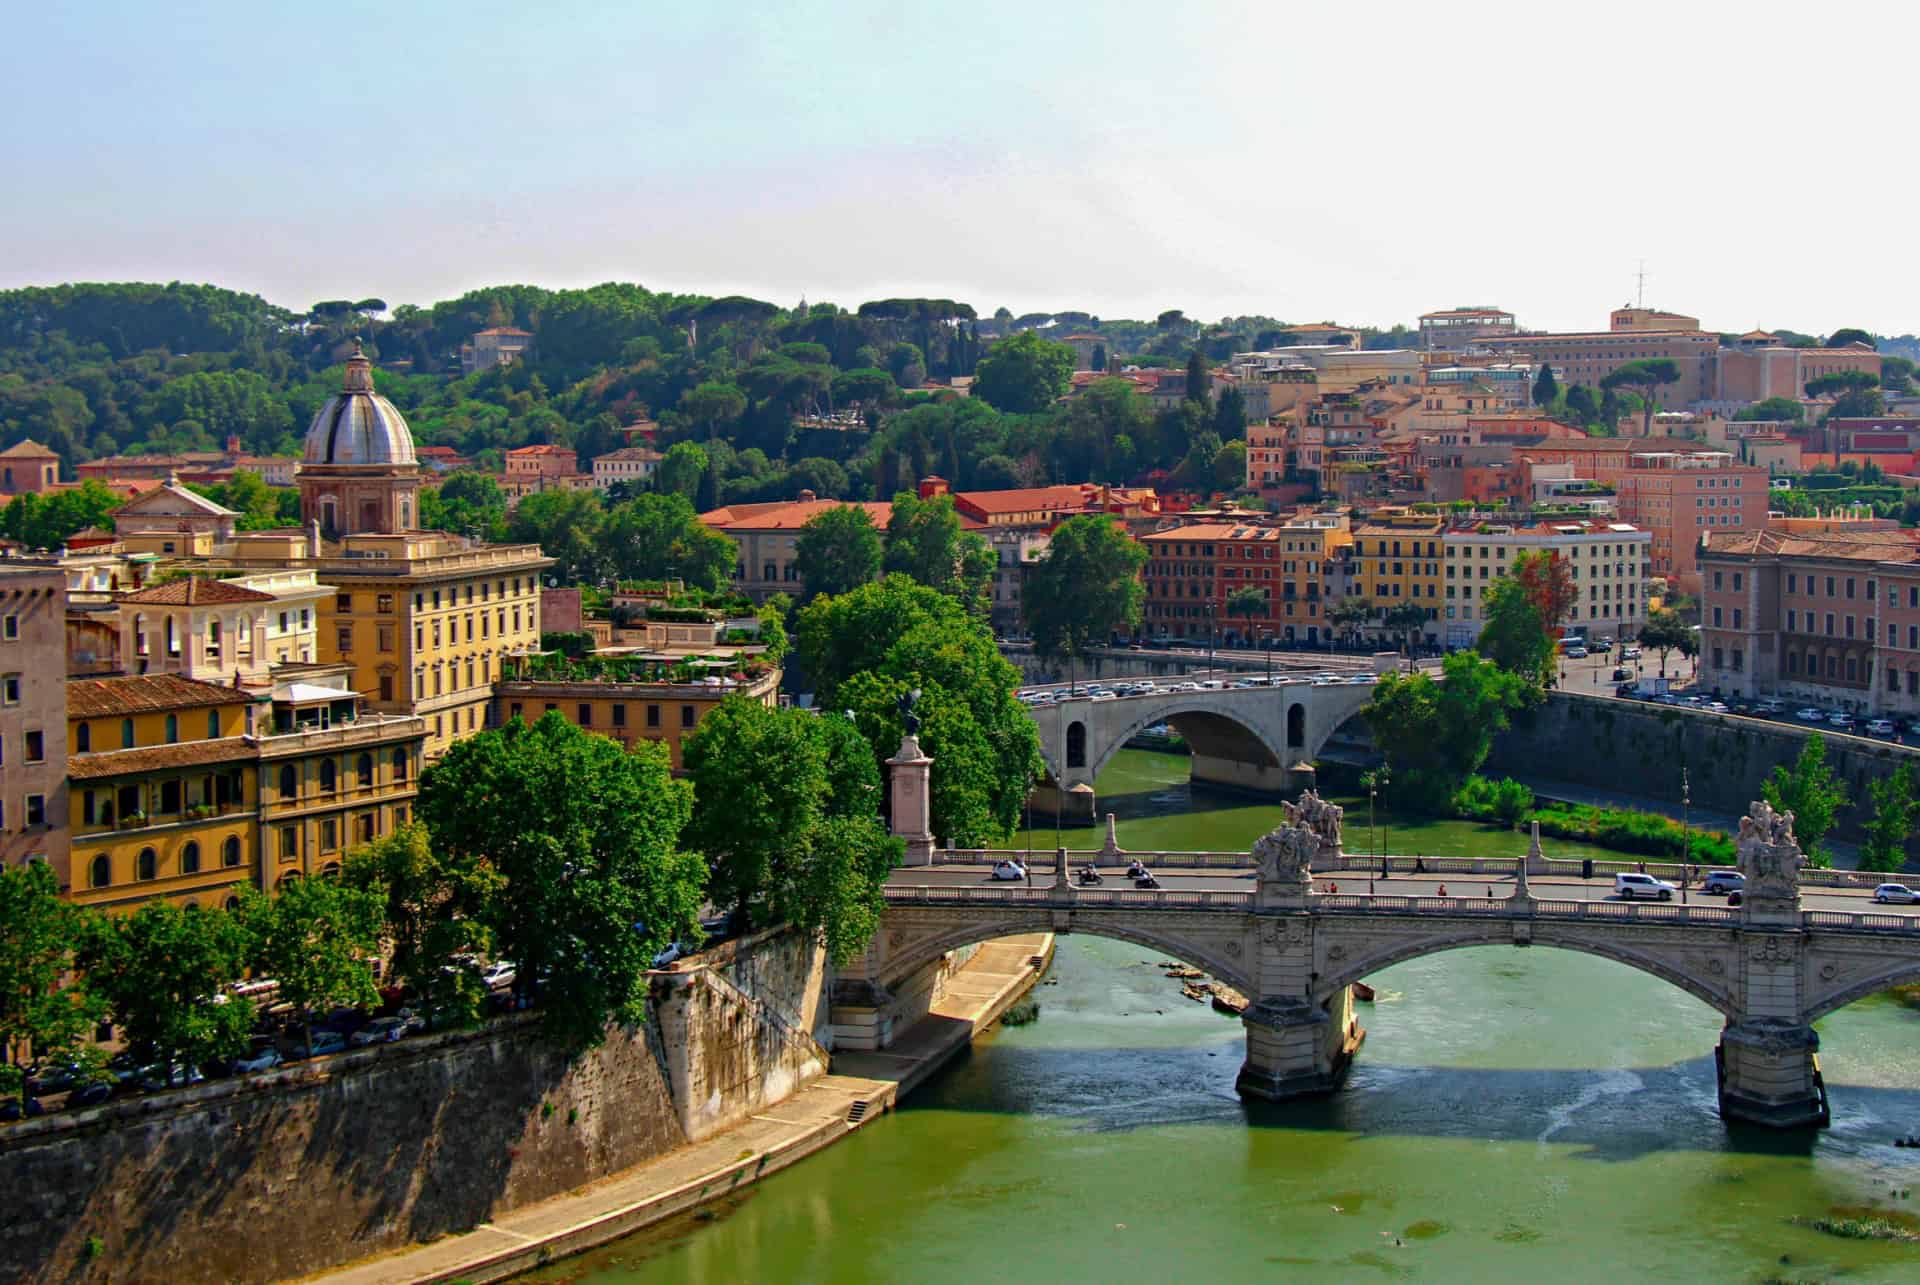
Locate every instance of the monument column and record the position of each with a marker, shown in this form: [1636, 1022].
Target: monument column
[910, 774]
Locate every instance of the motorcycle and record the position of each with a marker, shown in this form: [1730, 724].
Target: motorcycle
[1088, 875]
[1145, 880]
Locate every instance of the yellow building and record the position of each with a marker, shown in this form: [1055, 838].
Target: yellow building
[1398, 558]
[629, 711]
[188, 790]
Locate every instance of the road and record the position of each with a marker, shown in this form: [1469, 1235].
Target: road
[1357, 882]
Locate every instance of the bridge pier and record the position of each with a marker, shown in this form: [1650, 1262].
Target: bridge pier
[1296, 1048]
[1234, 774]
[1769, 1073]
[1074, 805]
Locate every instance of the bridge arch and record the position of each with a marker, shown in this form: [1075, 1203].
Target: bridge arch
[1904, 973]
[1190, 718]
[918, 950]
[1716, 994]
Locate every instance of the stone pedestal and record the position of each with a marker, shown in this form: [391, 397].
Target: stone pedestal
[861, 1015]
[910, 774]
[1536, 862]
[1296, 1048]
[1769, 1074]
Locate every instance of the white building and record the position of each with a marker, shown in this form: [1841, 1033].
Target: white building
[1609, 562]
[628, 464]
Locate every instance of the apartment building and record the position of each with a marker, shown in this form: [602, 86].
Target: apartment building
[628, 702]
[1679, 496]
[632, 464]
[1193, 570]
[1398, 558]
[1607, 561]
[1588, 357]
[1829, 617]
[33, 715]
[494, 346]
[1748, 375]
[767, 536]
[1452, 329]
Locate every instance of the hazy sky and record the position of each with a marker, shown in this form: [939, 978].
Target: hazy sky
[1359, 162]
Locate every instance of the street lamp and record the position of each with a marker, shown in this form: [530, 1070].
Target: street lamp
[1686, 837]
[1210, 660]
[1266, 643]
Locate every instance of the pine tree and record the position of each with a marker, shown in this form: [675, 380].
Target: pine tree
[1197, 377]
[1545, 388]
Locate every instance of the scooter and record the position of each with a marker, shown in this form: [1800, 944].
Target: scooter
[1145, 880]
[1088, 875]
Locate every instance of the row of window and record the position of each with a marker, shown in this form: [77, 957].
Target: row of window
[1794, 619]
[83, 732]
[689, 715]
[451, 635]
[146, 866]
[422, 598]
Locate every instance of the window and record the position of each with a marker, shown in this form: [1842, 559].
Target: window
[171, 796]
[289, 781]
[399, 764]
[147, 865]
[36, 745]
[230, 851]
[10, 627]
[686, 716]
[386, 687]
[363, 771]
[101, 873]
[83, 738]
[384, 603]
[366, 822]
[329, 776]
[329, 835]
[173, 729]
[653, 716]
[126, 733]
[343, 603]
[36, 809]
[10, 689]
[619, 715]
[586, 714]
[289, 842]
[343, 639]
[190, 859]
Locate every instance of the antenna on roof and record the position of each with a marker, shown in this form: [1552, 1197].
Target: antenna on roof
[1640, 292]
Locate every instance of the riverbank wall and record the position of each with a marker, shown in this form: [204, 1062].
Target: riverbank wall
[1634, 748]
[283, 1174]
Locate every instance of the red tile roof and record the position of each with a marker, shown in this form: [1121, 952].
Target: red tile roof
[145, 693]
[195, 592]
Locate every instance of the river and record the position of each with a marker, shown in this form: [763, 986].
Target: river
[1514, 1115]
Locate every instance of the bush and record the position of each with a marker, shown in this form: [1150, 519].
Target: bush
[1642, 832]
[570, 644]
[1505, 802]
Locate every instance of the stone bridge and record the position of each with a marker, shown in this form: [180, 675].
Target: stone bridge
[1253, 738]
[1769, 967]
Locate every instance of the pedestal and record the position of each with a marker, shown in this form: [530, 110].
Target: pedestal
[910, 775]
[1295, 1048]
[1536, 862]
[1769, 1074]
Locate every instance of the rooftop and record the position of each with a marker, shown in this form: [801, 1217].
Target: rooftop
[1860, 546]
[145, 694]
[195, 591]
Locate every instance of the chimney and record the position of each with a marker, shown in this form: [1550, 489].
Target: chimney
[807, 496]
[233, 445]
[931, 485]
[314, 536]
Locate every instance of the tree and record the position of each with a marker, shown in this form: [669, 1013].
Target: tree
[44, 1016]
[837, 550]
[1812, 793]
[1406, 618]
[568, 526]
[1581, 404]
[681, 469]
[1646, 376]
[1230, 466]
[1230, 415]
[1513, 635]
[1351, 615]
[1247, 602]
[585, 834]
[1198, 387]
[1437, 734]
[315, 937]
[1779, 410]
[1083, 587]
[1023, 374]
[44, 521]
[163, 973]
[657, 535]
[713, 404]
[1545, 387]
[436, 907]
[1548, 583]
[1894, 811]
[804, 840]
[907, 364]
[1857, 393]
[1098, 361]
[1848, 335]
[866, 648]
[925, 541]
[1665, 631]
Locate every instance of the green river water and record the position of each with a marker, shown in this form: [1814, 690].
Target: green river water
[1514, 1116]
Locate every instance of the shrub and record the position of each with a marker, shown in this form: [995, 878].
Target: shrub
[1628, 831]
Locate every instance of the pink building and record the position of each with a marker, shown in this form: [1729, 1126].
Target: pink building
[1680, 496]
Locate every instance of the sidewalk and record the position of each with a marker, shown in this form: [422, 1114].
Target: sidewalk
[828, 1109]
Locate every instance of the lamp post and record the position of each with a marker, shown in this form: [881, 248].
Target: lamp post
[1210, 660]
[1266, 643]
[1686, 837]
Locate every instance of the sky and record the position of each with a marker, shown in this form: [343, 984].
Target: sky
[1353, 162]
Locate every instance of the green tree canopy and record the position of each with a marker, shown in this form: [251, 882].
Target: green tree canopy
[1646, 376]
[436, 909]
[45, 520]
[838, 549]
[1780, 410]
[925, 541]
[44, 1015]
[1813, 794]
[657, 535]
[1665, 631]
[569, 527]
[1086, 585]
[585, 834]
[1024, 373]
[163, 973]
[1437, 734]
[317, 938]
[1513, 636]
[1546, 389]
[1894, 811]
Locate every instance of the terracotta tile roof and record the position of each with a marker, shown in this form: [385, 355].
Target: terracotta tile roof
[28, 450]
[503, 330]
[145, 693]
[153, 758]
[195, 591]
[790, 515]
[543, 448]
[1859, 546]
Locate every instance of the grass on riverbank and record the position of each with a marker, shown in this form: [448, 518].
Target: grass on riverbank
[1865, 1223]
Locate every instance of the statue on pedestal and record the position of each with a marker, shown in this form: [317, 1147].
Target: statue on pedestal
[909, 721]
[1285, 857]
[1319, 817]
[1769, 855]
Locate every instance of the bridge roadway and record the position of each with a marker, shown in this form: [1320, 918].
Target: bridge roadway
[1364, 883]
[1295, 945]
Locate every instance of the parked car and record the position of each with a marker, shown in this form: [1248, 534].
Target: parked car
[499, 973]
[385, 1030]
[325, 1041]
[1889, 893]
[1621, 674]
[675, 950]
[264, 1058]
[1768, 708]
[10, 1109]
[1880, 727]
[1630, 887]
[1715, 707]
[1576, 652]
[1724, 881]
[1810, 715]
[1009, 871]
[1630, 652]
[89, 1095]
[1604, 640]
[178, 1076]
[1843, 721]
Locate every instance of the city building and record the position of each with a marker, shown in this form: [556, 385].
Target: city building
[234, 629]
[494, 346]
[642, 697]
[1753, 374]
[1607, 561]
[1827, 616]
[1637, 320]
[1679, 496]
[1398, 559]
[542, 467]
[766, 535]
[1587, 357]
[28, 468]
[632, 464]
[190, 791]
[1193, 569]
[33, 715]
[1453, 329]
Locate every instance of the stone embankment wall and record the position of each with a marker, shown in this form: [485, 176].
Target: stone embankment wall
[1638, 748]
[286, 1173]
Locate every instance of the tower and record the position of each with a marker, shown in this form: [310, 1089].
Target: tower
[357, 473]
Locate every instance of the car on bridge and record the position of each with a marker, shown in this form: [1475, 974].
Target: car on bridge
[1633, 887]
[1889, 893]
[1009, 871]
[1723, 882]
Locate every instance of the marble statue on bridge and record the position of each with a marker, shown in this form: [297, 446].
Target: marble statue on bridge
[1318, 816]
[1285, 857]
[1769, 856]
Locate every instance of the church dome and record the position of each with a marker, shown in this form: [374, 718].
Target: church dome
[358, 425]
